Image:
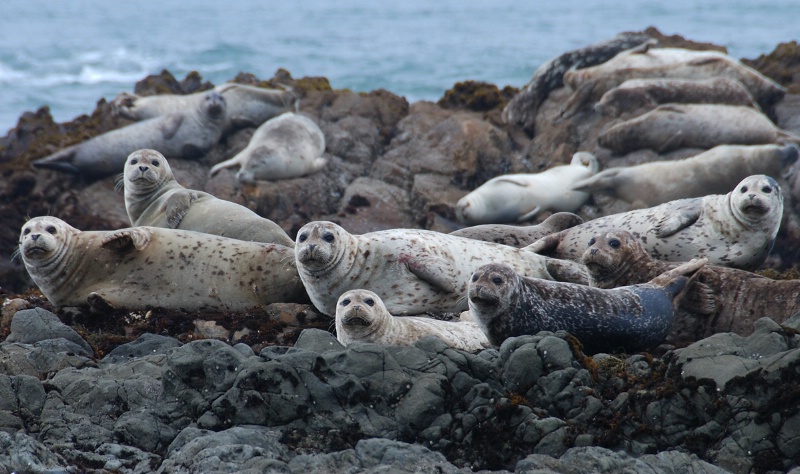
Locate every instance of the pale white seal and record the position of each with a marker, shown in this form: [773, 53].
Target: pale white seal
[737, 229]
[361, 316]
[287, 146]
[519, 197]
[715, 171]
[154, 198]
[149, 267]
[414, 271]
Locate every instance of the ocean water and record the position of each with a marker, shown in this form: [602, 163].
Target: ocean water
[69, 54]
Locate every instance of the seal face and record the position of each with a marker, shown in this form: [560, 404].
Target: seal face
[361, 316]
[736, 229]
[631, 318]
[147, 267]
[153, 197]
[414, 271]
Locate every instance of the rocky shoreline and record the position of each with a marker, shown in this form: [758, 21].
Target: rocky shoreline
[271, 390]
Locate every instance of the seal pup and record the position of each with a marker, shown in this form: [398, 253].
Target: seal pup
[736, 229]
[361, 316]
[287, 146]
[712, 172]
[415, 271]
[672, 126]
[154, 198]
[247, 106]
[186, 134]
[629, 319]
[150, 267]
[519, 236]
[638, 94]
[519, 197]
[522, 108]
[721, 299]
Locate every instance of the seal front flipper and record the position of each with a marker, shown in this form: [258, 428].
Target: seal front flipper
[98, 304]
[567, 271]
[512, 180]
[124, 239]
[177, 206]
[674, 142]
[59, 161]
[673, 223]
[529, 215]
[170, 125]
[699, 299]
[434, 270]
[547, 245]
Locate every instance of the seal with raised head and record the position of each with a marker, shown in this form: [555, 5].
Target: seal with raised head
[736, 229]
[247, 106]
[415, 271]
[154, 198]
[629, 319]
[519, 236]
[361, 316]
[714, 171]
[287, 146]
[186, 134]
[150, 267]
[519, 197]
[672, 126]
[721, 299]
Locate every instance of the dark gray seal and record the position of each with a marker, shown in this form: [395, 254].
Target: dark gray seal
[519, 236]
[628, 319]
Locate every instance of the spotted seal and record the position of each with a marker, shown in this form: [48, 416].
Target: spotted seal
[520, 197]
[186, 134]
[629, 319]
[148, 267]
[714, 171]
[154, 198]
[519, 236]
[415, 271]
[736, 229]
[361, 316]
[721, 299]
[287, 146]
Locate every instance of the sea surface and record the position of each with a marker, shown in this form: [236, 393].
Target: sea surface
[67, 54]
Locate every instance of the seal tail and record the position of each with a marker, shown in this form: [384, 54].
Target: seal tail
[59, 161]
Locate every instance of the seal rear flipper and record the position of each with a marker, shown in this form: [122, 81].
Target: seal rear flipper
[567, 271]
[673, 223]
[177, 206]
[436, 271]
[224, 164]
[136, 237]
[59, 161]
[699, 299]
[99, 304]
[602, 181]
[529, 215]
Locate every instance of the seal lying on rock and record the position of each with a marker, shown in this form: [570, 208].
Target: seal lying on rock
[414, 271]
[673, 126]
[154, 198]
[628, 319]
[519, 236]
[519, 197]
[361, 316]
[248, 106]
[721, 299]
[736, 229]
[712, 172]
[186, 134]
[287, 146]
[149, 267]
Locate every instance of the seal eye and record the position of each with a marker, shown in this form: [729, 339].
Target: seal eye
[328, 237]
[591, 241]
[26, 232]
[766, 189]
[497, 280]
[302, 237]
[744, 189]
[345, 302]
[134, 161]
[614, 243]
[154, 162]
[370, 302]
[51, 229]
[474, 277]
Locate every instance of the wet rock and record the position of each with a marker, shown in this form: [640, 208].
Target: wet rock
[22, 453]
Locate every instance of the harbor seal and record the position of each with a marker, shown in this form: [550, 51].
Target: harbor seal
[247, 106]
[519, 236]
[673, 126]
[628, 319]
[415, 271]
[519, 197]
[154, 198]
[150, 267]
[287, 146]
[522, 108]
[361, 316]
[715, 171]
[721, 299]
[736, 229]
[187, 134]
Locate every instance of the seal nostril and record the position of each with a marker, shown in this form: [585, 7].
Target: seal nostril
[143, 168]
[35, 237]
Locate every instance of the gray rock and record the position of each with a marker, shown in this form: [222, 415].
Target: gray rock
[22, 453]
[35, 325]
[146, 344]
[316, 340]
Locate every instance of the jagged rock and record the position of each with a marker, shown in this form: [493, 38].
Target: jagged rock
[34, 325]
